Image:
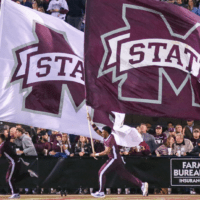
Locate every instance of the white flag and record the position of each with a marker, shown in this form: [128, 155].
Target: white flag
[125, 136]
[42, 74]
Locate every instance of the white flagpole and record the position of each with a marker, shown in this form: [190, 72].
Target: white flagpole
[89, 125]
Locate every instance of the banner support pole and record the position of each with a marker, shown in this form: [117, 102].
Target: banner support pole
[89, 126]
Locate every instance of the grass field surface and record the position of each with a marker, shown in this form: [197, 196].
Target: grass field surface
[108, 197]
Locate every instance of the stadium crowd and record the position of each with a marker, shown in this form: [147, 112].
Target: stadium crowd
[71, 11]
[161, 141]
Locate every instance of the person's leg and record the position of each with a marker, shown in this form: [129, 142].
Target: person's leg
[106, 168]
[125, 174]
[78, 22]
[9, 177]
[18, 175]
[71, 21]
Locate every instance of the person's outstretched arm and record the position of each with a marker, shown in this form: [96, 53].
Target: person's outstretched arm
[103, 153]
[96, 129]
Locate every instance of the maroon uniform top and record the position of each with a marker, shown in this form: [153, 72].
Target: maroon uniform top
[7, 150]
[110, 142]
[40, 146]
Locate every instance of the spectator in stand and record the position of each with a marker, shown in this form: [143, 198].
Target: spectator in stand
[180, 3]
[6, 130]
[61, 147]
[76, 10]
[196, 135]
[44, 4]
[83, 147]
[169, 125]
[138, 129]
[188, 130]
[179, 129]
[18, 126]
[192, 7]
[182, 146]
[18, 2]
[36, 136]
[43, 147]
[6, 127]
[172, 132]
[141, 150]
[41, 9]
[35, 5]
[58, 8]
[56, 146]
[149, 139]
[196, 150]
[27, 4]
[33, 134]
[27, 144]
[166, 148]
[124, 150]
[28, 134]
[53, 136]
[98, 146]
[66, 146]
[15, 139]
[149, 129]
[160, 137]
[6, 134]
[13, 132]
[72, 138]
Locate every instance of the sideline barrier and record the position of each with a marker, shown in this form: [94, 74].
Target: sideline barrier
[78, 172]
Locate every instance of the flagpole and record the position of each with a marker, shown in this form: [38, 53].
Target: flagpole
[92, 142]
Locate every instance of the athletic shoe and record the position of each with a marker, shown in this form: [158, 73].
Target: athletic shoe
[24, 162]
[144, 189]
[15, 196]
[98, 194]
[32, 173]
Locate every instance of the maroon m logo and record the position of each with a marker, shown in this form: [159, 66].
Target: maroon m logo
[46, 69]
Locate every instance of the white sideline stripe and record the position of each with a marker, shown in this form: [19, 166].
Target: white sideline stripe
[102, 172]
[12, 170]
[114, 152]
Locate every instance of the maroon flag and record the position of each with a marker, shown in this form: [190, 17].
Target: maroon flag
[142, 57]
